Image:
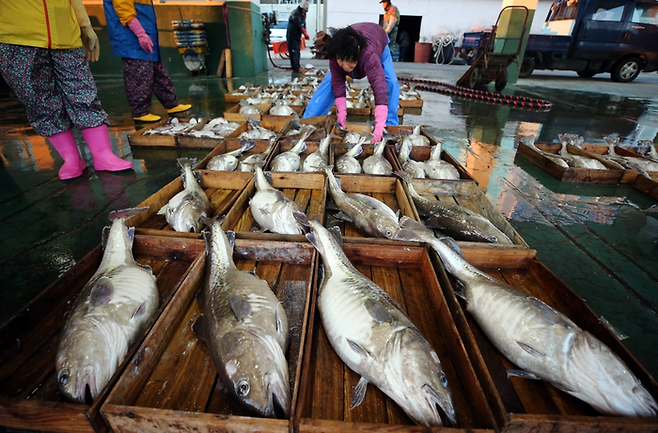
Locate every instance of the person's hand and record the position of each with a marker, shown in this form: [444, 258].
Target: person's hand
[305, 34]
[90, 43]
[341, 111]
[144, 40]
[381, 113]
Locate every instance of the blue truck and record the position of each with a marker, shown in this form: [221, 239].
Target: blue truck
[589, 37]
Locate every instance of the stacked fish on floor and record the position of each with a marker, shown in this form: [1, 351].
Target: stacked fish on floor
[110, 314]
[376, 339]
[184, 210]
[641, 165]
[452, 219]
[541, 341]
[229, 161]
[246, 329]
[272, 209]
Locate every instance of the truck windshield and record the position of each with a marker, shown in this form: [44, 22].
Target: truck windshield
[563, 10]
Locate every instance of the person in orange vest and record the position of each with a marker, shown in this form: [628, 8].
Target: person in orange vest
[46, 64]
[296, 28]
[391, 21]
[133, 31]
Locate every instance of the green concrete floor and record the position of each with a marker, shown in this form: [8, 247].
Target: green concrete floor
[601, 240]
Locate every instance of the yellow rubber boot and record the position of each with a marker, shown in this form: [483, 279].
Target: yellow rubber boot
[148, 118]
[179, 108]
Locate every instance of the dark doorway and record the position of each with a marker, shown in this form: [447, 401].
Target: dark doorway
[411, 25]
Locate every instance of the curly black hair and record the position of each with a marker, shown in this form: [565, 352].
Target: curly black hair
[346, 44]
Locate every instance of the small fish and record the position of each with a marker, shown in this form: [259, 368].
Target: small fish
[436, 168]
[247, 107]
[453, 219]
[320, 158]
[367, 213]
[577, 161]
[376, 163]
[229, 161]
[257, 159]
[246, 329]
[272, 209]
[530, 142]
[280, 108]
[546, 344]
[641, 165]
[290, 160]
[416, 137]
[376, 339]
[347, 162]
[416, 168]
[184, 210]
[110, 314]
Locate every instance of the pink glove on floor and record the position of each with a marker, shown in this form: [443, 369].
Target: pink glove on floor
[381, 113]
[144, 40]
[341, 111]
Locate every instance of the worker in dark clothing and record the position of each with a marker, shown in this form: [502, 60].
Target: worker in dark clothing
[296, 28]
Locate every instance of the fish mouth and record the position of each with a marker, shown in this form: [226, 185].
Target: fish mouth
[441, 408]
[278, 401]
[86, 389]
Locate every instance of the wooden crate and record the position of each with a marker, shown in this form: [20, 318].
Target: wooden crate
[234, 97]
[629, 174]
[298, 109]
[322, 124]
[233, 114]
[386, 189]
[570, 174]
[521, 405]
[172, 383]
[647, 186]
[470, 196]
[406, 274]
[306, 189]
[222, 188]
[232, 143]
[417, 102]
[311, 146]
[138, 138]
[29, 394]
[340, 149]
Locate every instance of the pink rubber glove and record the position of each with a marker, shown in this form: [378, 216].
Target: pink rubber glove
[381, 113]
[341, 111]
[144, 40]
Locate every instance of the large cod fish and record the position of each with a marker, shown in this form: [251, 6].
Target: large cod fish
[272, 209]
[377, 340]
[543, 342]
[453, 219]
[367, 213]
[246, 329]
[111, 312]
[183, 212]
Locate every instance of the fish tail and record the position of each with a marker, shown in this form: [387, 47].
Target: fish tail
[186, 162]
[126, 213]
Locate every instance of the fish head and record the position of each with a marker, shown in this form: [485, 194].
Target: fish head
[256, 372]
[603, 380]
[83, 365]
[424, 392]
[386, 226]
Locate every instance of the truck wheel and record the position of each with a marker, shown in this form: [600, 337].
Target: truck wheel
[501, 80]
[626, 70]
[475, 80]
[527, 67]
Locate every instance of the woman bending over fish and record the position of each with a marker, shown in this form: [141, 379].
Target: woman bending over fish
[360, 50]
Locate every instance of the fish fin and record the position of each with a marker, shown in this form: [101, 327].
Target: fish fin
[531, 350]
[358, 349]
[199, 328]
[461, 294]
[563, 388]
[551, 314]
[302, 220]
[359, 393]
[240, 306]
[452, 244]
[335, 231]
[378, 311]
[343, 216]
[101, 293]
[522, 374]
[311, 238]
[230, 235]
[139, 312]
[126, 213]
[278, 313]
[105, 234]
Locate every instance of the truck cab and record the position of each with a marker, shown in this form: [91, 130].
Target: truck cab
[615, 36]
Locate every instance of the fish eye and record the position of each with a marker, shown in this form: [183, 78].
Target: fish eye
[444, 380]
[63, 377]
[242, 388]
[388, 233]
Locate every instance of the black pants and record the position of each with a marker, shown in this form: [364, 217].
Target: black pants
[294, 48]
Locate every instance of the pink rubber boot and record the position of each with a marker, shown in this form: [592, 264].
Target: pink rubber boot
[98, 142]
[64, 144]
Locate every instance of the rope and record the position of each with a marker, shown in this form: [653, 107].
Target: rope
[521, 102]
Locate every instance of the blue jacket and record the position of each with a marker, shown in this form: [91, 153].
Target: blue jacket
[118, 14]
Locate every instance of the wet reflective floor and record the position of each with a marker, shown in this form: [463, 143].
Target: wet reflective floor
[600, 239]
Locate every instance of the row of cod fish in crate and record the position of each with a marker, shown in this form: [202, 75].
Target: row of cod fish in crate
[246, 327]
